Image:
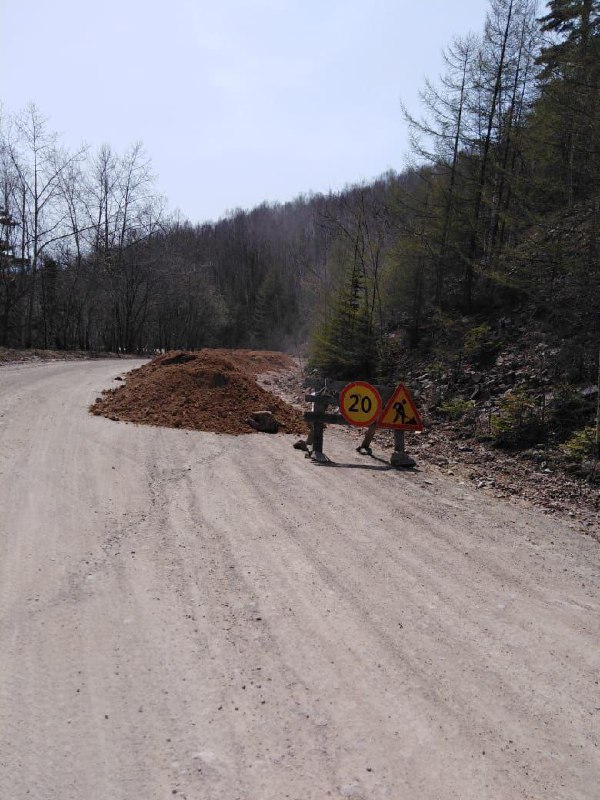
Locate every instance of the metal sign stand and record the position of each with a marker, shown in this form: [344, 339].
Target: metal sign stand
[400, 457]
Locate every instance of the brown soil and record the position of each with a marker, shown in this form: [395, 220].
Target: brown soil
[254, 362]
[210, 390]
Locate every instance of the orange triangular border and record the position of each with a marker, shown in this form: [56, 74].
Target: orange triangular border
[402, 426]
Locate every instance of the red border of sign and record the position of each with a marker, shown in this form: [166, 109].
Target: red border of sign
[364, 423]
[401, 427]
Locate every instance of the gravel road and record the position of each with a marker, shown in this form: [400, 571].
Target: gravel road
[217, 618]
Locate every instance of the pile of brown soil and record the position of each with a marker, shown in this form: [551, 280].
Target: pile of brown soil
[210, 390]
[255, 362]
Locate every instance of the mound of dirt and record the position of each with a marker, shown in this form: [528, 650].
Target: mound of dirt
[210, 390]
[255, 362]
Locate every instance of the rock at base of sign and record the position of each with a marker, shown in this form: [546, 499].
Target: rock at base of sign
[401, 459]
[263, 421]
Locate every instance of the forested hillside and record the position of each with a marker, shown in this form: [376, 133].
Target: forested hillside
[486, 243]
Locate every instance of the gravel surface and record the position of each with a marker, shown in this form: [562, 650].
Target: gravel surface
[215, 617]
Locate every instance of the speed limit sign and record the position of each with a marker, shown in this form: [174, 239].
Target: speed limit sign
[360, 403]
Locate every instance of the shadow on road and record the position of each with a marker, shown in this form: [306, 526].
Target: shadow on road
[386, 467]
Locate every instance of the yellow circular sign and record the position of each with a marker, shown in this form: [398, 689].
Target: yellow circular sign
[360, 403]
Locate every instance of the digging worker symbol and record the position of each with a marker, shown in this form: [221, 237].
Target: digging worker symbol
[401, 413]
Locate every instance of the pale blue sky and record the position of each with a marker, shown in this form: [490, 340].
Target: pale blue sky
[236, 101]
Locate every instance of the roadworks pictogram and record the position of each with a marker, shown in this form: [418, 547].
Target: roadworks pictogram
[400, 412]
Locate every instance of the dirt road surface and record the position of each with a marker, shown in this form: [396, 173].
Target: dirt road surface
[217, 618]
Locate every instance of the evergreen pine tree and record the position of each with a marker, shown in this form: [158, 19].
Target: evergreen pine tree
[344, 344]
[568, 115]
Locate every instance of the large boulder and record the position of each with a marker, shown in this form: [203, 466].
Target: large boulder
[263, 421]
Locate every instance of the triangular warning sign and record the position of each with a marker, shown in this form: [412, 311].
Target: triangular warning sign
[400, 412]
